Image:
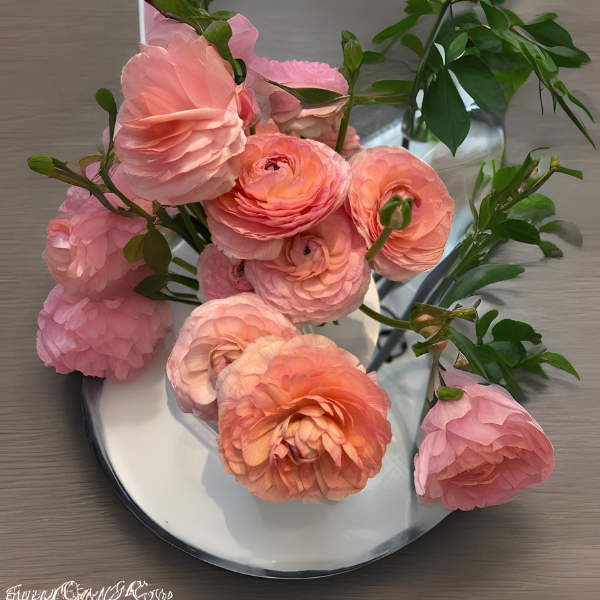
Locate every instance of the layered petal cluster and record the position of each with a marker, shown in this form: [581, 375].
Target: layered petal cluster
[379, 173]
[84, 247]
[213, 337]
[219, 276]
[301, 419]
[320, 274]
[179, 129]
[115, 338]
[286, 185]
[278, 104]
[481, 450]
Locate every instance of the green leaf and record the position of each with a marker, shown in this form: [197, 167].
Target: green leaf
[423, 7]
[412, 42]
[373, 58]
[42, 164]
[559, 362]
[511, 353]
[392, 86]
[485, 39]
[561, 88]
[504, 177]
[219, 33]
[508, 330]
[157, 253]
[484, 322]
[445, 112]
[396, 30]
[496, 19]
[543, 17]
[470, 352]
[565, 230]
[520, 231]
[449, 394]
[479, 82]
[223, 15]
[133, 250]
[152, 284]
[550, 250]
[533, 209]
[457, 47]
[568, 57]
[479, 277]
[549, 33]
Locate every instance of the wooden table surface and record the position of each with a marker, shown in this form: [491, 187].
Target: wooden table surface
[59, 519]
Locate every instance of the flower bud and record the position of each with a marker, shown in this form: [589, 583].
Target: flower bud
[396, 213]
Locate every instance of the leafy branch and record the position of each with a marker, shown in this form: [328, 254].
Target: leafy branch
[490, 58]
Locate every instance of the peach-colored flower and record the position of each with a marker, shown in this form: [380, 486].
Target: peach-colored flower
[179, 129]
[115, 338]
[84, 248]
[278, 104]
[481, 450]
[320, 274]
[379, 173]
[285, 186]
[301, 419]
[219, 276]
[213, 337]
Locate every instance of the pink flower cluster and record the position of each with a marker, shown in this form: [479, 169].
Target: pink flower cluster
[93, 321]
[298, 416]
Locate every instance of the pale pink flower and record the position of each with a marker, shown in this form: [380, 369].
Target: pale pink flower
[179, 129]
[379, 173]
[84, 247]
[481, 450]
[285, 186]
[213, 337]
[282, 107]
[301, 419]
[115, 338]
[160, 30]
[320, 274]
[219, 276]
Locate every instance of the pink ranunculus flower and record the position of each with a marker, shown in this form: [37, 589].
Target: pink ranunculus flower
[352, 143]
[301, 419]
[320, 274]
[179, 129]
[379, 173]
[160, 30]
[481, 450]
[213, 337]
[281, 106]
[286, 185]
[84, 247]
[114, 338]
[219, 276]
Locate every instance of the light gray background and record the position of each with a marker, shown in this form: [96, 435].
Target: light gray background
[60, 521]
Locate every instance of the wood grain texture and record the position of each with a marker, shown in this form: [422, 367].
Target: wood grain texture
[60, 521]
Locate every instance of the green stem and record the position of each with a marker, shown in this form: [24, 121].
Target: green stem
[397, 324]
[199, 244]
[185, 265]
[129, 203]
[412, 99]
[379, 243]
